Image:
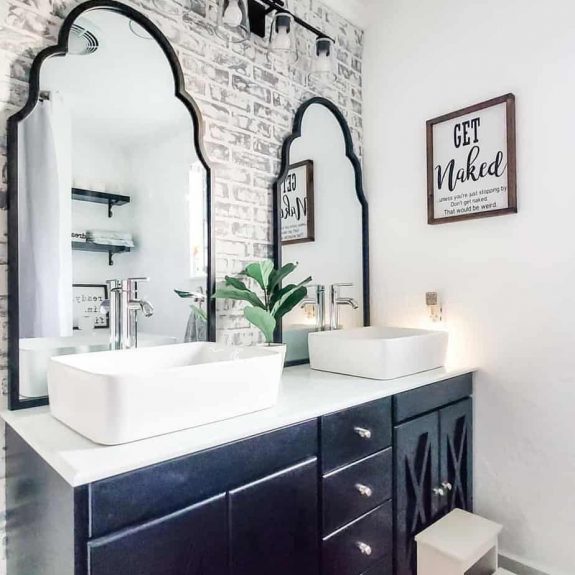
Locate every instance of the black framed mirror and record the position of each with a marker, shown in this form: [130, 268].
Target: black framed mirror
[321, 221]
[107, 180]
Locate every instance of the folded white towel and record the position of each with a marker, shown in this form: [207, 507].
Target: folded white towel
[112, 242]
[108, 234]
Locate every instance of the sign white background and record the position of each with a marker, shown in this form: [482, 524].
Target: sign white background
[294, 207]
[487, 193]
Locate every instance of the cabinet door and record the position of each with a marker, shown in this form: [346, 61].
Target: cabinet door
[274, 524]
[191, 541]
[456, 449]
[417, 474]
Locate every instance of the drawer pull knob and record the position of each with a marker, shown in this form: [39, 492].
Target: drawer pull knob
[364, 548]
[362, 432]
[447, 486]
[439, 491]
[364, 490]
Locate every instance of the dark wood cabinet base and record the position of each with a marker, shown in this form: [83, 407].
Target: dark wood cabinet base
[343, 494]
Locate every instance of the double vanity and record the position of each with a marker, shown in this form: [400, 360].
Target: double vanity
[135, 444]
[335, 479]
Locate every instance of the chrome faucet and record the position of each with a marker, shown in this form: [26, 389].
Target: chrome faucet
[335, 301]
[318, 301]
[123, 306]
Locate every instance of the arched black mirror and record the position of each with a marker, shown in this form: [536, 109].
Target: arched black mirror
[108, 186]
[321, 222]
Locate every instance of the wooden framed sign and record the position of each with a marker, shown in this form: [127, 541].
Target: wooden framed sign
[471, 170]
[297, 204]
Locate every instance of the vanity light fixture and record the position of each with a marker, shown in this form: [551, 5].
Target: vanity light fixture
[250, 17]
[324, 61]
[283, 41]
[233, 16]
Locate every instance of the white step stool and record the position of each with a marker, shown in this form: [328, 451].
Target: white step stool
[459, 544]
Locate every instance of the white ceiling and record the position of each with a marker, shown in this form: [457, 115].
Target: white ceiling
[356, 11]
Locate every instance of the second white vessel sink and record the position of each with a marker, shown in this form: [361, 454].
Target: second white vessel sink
[377, 352]
[115, 397]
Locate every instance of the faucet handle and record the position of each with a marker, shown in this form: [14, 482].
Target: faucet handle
[134, 281]
[336, 287]
[318, 287]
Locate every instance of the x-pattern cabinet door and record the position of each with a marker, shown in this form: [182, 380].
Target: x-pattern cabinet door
[433, 475]
[417, 474]
[456, 449]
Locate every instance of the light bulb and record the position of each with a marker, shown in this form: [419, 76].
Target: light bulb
[281, 41]
[233, 16]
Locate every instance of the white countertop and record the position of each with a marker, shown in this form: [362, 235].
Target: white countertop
[305, 394]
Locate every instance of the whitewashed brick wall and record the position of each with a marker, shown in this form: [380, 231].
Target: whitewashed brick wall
[247, 101]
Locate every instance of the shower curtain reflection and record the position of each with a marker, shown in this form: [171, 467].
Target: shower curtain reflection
[45, 262]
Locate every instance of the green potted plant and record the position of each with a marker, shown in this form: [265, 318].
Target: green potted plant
[266, 309]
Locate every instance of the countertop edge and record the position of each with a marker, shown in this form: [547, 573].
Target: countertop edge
[77, 459]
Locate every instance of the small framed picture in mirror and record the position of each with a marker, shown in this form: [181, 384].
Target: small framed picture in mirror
[297, 204]
[87, 307]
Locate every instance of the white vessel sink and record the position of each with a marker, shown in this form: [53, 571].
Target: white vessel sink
[377, 352]
[115, 397]
[35, 354]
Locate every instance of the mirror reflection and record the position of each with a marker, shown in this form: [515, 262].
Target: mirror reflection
[112, 201]
[322, 219]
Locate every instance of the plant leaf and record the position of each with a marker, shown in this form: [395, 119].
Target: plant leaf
[293, 299]
[236, 283]
[199, 312]
[263, 320]
[260, 271]
[282, 294]
[184, 294]
[229, 292]
[277, 276]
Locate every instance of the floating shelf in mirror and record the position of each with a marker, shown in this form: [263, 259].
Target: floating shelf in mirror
[102, 248]
[111, 200]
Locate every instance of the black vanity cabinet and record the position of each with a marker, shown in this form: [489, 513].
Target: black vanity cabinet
[274, 524]
[433, 461]
[193, 540]
[343, 494]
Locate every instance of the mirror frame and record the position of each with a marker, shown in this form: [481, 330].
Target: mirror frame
[359, 190]
[61, 49]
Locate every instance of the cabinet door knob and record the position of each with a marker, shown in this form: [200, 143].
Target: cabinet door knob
[364, 490]
[364, 548]
[362, 432]
[438, 491]
[447, 486]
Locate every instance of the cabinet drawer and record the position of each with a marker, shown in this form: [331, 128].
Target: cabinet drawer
[158, 490]
[352, 491]
[193, 540]
[431, 397]
[349, 435]
[361, 545]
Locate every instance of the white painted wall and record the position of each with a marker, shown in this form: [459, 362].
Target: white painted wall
[507, 283]
[99, 164]
[164, 211]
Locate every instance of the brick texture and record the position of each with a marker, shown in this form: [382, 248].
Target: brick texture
[247, 101]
